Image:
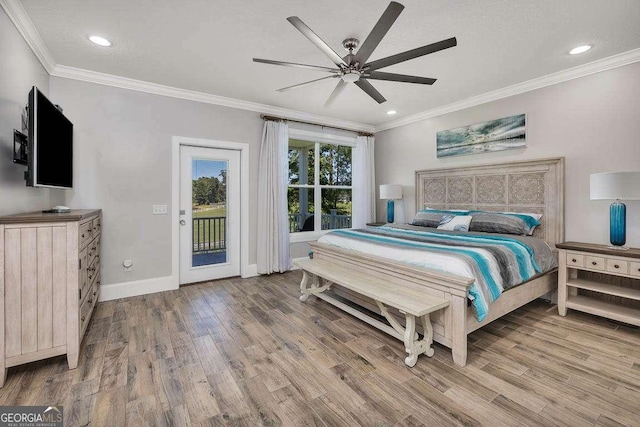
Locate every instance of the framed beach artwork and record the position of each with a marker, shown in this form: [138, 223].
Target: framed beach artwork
[495, 135]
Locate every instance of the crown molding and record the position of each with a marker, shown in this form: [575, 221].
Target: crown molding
[16, 13]
[173, 92]
[27, 29]
[597, 66]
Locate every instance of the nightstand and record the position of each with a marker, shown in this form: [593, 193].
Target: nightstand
[376, 224]
[611, 264]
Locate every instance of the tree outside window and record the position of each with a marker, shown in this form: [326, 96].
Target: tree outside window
[319, 175]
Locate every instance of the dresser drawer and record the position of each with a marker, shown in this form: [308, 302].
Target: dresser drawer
[93, 272]
[85, 313]
[85, 234]
[96, 226]
[617, 266]
[93, 250]
[575, 260]
[634, 269]
[594, 262]
[83, 282]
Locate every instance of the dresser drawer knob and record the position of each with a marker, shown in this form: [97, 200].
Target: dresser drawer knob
[616, 266]
[82, 236]
[574, 260]
[82, 318]
[594, 263]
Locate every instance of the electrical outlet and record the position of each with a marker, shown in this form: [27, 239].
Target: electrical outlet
[127, 265]
[160, 209]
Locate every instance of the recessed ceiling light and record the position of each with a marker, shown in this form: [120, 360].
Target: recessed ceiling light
[391, 112]
[580, 49]
[100, 41]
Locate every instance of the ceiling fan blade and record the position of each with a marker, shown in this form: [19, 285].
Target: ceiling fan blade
[379, 31]
[296, 65]
[299, 85]
[336, 92]
[411, 54]
[370, 90]
[313, 37]
[392, 77]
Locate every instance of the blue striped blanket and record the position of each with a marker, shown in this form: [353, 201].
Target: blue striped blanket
[496, 262]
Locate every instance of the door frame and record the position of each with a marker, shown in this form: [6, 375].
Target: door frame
[243, 148]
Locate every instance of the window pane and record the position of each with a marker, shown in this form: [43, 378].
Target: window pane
[335, 165]
[301, 162]
[300, 209]
[209, 209]
[336, 208]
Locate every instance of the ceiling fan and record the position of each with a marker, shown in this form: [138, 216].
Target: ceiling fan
[354, 68]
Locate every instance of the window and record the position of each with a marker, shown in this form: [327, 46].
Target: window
[319, 193]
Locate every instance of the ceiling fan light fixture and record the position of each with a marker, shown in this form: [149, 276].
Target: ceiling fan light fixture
[350, 77]
[580, 49]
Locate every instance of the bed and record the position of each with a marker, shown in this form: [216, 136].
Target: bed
[533, 186]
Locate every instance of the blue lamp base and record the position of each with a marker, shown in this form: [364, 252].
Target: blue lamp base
[618, 225]
[390, 211]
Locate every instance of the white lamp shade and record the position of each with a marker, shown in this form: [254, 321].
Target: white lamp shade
[615, 185]
[390, 191]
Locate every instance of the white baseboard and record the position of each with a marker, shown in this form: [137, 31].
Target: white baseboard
[136, 287]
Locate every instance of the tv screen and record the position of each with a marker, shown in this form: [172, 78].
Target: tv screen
[50, 144]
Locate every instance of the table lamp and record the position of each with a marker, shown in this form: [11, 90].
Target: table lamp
[389, 192]
[616, 186]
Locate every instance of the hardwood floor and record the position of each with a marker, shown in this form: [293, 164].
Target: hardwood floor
[247, 352]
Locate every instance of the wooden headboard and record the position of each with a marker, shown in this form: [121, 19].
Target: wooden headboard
[535, 186]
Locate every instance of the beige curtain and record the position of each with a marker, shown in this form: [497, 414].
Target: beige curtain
[363, 179]
[273, 227]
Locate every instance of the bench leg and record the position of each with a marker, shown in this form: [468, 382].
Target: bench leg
[409, 341]
[303, 286]
[318, 285]
[428, 334]
[413, 346]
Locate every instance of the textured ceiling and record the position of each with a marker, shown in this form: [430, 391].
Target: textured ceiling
[207, 46]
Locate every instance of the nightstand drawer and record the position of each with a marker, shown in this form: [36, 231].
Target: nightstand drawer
[594, 263]
[575, 260]
[634, 269]
[617, 266]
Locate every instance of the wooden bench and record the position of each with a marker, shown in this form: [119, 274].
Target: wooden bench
[412, 302]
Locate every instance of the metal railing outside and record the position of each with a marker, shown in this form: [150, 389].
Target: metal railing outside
[331, 221]
[209, 234]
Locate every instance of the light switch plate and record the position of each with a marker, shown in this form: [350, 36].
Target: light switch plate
[160, 209]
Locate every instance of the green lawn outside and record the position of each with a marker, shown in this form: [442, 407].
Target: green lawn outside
[205, 235]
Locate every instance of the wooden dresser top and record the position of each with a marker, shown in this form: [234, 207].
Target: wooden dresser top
[39, 216]
[600, 249]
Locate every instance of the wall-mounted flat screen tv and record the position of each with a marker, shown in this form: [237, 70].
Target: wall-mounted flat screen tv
[50, 144]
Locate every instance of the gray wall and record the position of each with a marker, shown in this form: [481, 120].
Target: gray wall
[594, 122]
[122, 142]
[19, 71]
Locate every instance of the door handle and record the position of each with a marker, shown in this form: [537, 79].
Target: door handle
[183, 222]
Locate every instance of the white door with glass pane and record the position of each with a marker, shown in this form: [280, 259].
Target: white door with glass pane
[209, 213]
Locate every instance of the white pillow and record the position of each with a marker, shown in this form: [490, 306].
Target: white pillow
[532, 215]
[455, 222]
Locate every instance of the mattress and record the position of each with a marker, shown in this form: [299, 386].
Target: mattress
[496, 262]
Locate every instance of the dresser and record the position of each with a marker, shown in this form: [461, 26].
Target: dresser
[599, 280]
[49, 284]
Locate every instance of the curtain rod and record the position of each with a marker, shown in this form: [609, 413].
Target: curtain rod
[274, 118]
